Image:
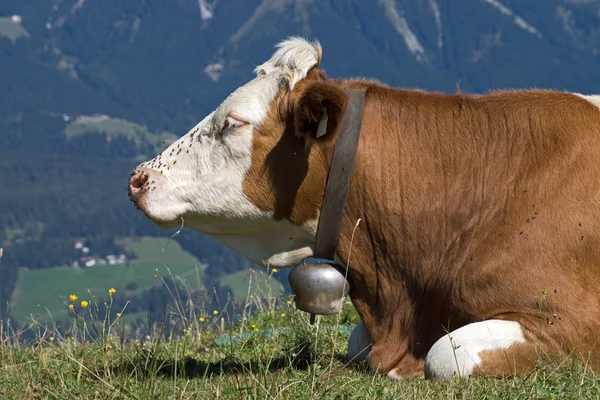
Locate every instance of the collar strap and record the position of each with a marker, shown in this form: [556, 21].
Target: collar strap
[338, 179]
[316, 260]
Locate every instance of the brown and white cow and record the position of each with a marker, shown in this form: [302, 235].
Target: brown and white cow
[479, 215]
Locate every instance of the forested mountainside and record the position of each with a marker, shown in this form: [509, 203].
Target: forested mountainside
[88, 88]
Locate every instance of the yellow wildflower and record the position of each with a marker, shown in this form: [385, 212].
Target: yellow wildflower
[185, 331]
[282, 315]
[70, 306]
[51, 339]
[137, 344]
[84, 304]
[72, 297]
[201, 319]
[215, 312]
[289, 302]
[251, 297]
[118, 314]
[274, 270]
[111, 291]
[254, 327]
[109, 347]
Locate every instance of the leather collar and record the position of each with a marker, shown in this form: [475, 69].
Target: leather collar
[338, 180]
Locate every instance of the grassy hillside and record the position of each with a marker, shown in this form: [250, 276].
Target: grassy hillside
[11, 30]
[46, 290]
[273, 354]
[114, 128]
[259, 281]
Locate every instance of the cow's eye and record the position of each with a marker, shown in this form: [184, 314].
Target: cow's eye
[235, 122]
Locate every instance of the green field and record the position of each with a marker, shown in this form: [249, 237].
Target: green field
[45, 291]
[114, 127]
[11, 30]
[258, 281]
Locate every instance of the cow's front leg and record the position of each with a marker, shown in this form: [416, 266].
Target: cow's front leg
[386, 357]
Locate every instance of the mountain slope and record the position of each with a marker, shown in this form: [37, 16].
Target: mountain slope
[163, 66]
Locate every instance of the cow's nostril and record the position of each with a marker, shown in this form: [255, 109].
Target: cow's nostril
[136, 182]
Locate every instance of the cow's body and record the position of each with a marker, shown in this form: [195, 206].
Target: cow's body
[479, 215]
[475, 208]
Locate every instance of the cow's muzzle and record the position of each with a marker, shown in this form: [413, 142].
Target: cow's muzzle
[138, 185]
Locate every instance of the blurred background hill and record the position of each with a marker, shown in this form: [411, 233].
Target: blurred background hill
[88, 88]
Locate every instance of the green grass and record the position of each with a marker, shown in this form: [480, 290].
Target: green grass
[11, 30]
[239, 282]
[114, 127]
[300, 361]
[44, 291]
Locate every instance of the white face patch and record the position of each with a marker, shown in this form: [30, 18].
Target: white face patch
[198, 180]
[457, 353]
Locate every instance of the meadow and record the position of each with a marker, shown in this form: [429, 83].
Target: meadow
[199, 352]
[45, 292]
[115, 127]
[11, 30]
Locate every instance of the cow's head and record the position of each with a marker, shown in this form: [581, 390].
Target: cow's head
[252, 173]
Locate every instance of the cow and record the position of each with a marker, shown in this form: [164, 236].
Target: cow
[471, 228]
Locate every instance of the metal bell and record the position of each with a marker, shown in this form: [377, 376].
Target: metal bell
[319, 286]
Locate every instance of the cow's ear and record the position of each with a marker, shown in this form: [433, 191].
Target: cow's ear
[318, 109]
